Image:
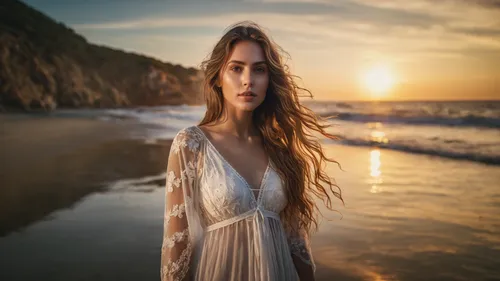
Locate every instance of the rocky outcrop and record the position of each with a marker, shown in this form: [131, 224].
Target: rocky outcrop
[44, 64]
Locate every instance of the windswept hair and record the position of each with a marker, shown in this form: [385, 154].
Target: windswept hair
[285, 124]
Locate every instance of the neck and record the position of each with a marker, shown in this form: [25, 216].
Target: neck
[238, 123]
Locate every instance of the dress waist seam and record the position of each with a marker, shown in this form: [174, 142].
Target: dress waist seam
[243, 216]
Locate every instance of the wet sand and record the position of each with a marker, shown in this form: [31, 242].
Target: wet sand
[81, 200]
[410, 217]
[52, 163]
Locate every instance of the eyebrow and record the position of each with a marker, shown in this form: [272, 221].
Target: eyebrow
[240, 62]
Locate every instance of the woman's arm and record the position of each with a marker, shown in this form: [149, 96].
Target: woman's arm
[177, 248]
[304, 270]
[302, 257]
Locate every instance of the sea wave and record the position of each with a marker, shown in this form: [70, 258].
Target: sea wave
[466, 121]
[474, 143]
[418, 148]
[482, 114]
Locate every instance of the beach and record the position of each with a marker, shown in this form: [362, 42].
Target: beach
[67, 209]
[411, 217]
[82, 199]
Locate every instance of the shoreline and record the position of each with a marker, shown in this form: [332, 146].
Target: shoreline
[51, 164]
[84, 191]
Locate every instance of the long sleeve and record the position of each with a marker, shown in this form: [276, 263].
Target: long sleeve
[177, 247]
[300, 246]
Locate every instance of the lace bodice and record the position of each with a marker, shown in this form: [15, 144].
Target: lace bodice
[205, 193]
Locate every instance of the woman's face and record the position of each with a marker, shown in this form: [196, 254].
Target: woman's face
[245, 70]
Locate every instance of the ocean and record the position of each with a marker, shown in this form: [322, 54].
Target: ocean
[468, 130]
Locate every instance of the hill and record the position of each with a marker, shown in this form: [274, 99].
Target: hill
[45, 64]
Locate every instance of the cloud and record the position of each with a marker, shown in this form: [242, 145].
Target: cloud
[485, 3]
[478, 31]
[341, 10]
[417, 28]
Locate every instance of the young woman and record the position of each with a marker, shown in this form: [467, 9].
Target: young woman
[239, 184]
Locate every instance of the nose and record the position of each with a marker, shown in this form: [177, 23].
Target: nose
[247, 78]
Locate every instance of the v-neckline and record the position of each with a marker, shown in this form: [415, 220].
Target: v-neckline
[262, 181]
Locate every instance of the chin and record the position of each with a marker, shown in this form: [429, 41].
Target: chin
[244, 106]
[247, 107]
[250, 106]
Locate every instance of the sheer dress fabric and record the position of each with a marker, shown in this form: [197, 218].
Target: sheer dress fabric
[216, 227]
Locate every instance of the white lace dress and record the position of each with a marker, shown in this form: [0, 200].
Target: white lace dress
[215, 227]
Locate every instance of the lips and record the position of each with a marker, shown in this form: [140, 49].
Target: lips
[248, 94]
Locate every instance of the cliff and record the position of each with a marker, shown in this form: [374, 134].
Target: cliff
[45, 64]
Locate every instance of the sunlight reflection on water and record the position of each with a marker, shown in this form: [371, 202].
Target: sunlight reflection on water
[375, 171]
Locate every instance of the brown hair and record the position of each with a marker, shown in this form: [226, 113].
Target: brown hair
[284, 123]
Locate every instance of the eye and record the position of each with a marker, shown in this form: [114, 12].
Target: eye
[235, 68]
[260, 69]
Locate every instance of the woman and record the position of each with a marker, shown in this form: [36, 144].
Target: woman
[239, 185]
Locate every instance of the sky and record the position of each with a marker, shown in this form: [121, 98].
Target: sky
[340, 49]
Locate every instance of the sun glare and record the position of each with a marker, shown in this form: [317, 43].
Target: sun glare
[378, 80]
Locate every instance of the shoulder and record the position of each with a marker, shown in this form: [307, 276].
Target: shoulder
[187, 138]
[189, 133]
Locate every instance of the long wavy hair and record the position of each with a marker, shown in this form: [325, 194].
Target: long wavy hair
[286, 126]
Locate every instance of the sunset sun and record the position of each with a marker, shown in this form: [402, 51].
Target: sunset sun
[378, 80]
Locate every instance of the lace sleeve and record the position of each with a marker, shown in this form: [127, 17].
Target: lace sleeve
[300, 246]
[177, 248]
